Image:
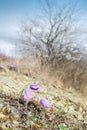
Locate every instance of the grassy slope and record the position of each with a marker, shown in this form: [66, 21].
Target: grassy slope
[71, 102]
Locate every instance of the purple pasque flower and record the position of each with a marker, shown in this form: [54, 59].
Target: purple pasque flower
[34, 86]
[3, 64]
[26, 94]
[12, 64]
[44, 103]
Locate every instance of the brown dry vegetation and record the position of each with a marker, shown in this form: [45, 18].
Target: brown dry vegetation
[71, 73]
[67, 110]
[67, 73]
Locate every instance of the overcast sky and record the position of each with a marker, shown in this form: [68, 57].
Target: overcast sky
[12, 12]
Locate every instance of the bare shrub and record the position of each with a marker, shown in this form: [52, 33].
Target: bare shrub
[71, 73]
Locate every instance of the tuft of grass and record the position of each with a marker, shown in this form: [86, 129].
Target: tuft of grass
[61, 127]
[1, 90]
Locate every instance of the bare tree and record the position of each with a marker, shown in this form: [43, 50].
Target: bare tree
[53, 34]
[56, 37]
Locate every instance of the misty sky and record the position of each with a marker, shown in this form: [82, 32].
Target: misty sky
[12, 12]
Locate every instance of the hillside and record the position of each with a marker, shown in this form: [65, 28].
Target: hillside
[67, 108]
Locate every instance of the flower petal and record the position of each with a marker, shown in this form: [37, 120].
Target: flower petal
[34, 86]
[44, 103]
[27, 94]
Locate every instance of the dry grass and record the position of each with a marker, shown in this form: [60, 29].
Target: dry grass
[27, 66]
[71, 73]
[64, 73]
[66, 108]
